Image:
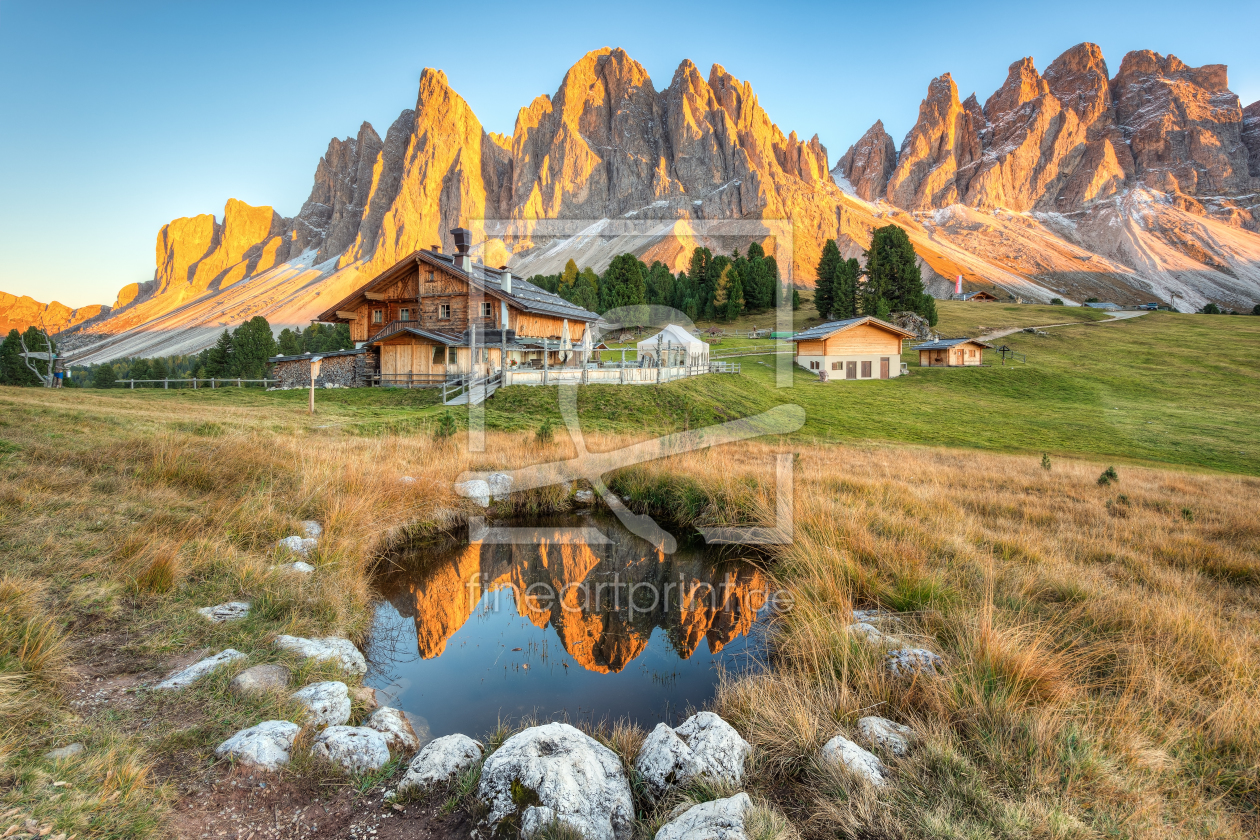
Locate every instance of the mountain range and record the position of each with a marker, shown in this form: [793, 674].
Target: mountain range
[1068, 183]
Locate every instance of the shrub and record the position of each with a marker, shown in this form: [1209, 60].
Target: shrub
[1108, 476]
[546, 432]
[1045, 461]
[1056, 301]
[445, 427]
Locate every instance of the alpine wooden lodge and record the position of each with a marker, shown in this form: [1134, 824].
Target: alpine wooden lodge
[432, 318]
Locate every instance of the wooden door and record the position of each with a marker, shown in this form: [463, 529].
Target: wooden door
[883, 368]
[850, 370]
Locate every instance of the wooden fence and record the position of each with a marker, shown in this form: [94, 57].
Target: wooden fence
[215, 382]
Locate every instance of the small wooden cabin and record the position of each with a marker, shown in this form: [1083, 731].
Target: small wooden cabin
[952, 352]
[433, 315]
[977, 297]
[856, 348]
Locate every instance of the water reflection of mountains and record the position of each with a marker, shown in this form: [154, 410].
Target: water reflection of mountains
[582, 592]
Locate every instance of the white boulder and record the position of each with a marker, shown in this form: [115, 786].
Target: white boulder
[704, 745]
[298, 545]
[298, 566]
[311, 529]
[356, 749]
[327, 703]
[188, 676]
[477, 490]
[908, 662]
[500, 485]
[841, 751]
[265, 746]
[718, 819]
[872, 634]
[885, 734]
[231, 611]
[406, 479]
[556, 773]
[330, 649]
[584, 497]
[398, 731]
[68, 751]
[441, 761]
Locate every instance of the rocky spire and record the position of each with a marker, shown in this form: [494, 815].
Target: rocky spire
[938, 150]
[868, 163]
[1251, 136]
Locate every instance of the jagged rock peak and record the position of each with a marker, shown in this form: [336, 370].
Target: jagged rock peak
[1023, 84]
[1079, 79]
[934, 166]
[868, 163]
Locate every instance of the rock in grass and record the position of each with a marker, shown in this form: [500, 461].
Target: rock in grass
[265, 746]
[717, 819]
[365, 696]
[704, 745]
[327, 703]
[231, 611]
[584, 497]
[406, 479]
[872, 634]
[330, 649]
[183, 679]
[441, 761]
[298, 566]
[841, 751]
[311, 529]
[500, 485]
[908, 662]
[61, 753]
[298, 545]
[558, 774]
[356, 749]
[398, 731]
[260, 679]
[885, 734]
[477, 490]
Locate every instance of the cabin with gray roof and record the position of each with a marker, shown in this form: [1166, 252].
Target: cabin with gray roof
[855, 348]
[952, 352]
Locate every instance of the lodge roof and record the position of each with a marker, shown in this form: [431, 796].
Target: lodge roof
[831, 328]
[944, 343]
[525, 296]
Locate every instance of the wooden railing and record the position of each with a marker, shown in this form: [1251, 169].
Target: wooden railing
[215, 382]
[411, 380]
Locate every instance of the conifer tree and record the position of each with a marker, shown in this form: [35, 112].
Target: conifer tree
[104, 376]
[845, 289]
[570, 275]
[252, 344]
[622, 284]
[11, 366]
[219, 358]
[894, 282]
[825, 274]
[290, 343]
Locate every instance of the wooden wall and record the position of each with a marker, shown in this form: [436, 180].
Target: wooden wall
[863, 340]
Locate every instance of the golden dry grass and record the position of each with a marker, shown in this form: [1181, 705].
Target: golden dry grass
[1101, 642]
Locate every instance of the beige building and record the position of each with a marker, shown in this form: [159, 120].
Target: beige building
[952, 352]
[856, 348]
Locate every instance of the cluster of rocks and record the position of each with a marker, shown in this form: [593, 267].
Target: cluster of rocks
[327, 706]
[302, 545]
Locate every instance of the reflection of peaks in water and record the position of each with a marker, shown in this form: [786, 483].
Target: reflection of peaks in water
[603, 602]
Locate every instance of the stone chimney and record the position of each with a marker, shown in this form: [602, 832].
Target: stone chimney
[505, 279]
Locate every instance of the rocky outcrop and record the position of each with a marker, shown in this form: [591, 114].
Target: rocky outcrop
[399, 734]
[326, 703]
[869, 163]
[355, 749]
[885, 734]
[186, 677]
[264, 747]
[1183, 124]
[231, 611]
[938, 156]
[862, 763]
[704, 745]
[331, 649]
[1251, 136]
[441, 761]
[556, 773]
[717, 819]
[18, 313]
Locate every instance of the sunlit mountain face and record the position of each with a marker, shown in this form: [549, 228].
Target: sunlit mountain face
[473, 633]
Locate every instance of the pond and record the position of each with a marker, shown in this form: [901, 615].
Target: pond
[562, 618]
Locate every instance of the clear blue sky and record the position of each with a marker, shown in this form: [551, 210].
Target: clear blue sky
[119, 117]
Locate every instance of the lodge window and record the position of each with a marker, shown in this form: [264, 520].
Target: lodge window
[439, 354]
[813, 365]
[866, 370]
[377, 316]
[452, 355]
[973, 354]
[404, 315]
[486, 309]
[837, 365]
[444, 311]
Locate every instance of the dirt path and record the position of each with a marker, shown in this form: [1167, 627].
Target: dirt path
[1115, 316]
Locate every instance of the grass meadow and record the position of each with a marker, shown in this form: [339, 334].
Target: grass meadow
[1101, 641]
